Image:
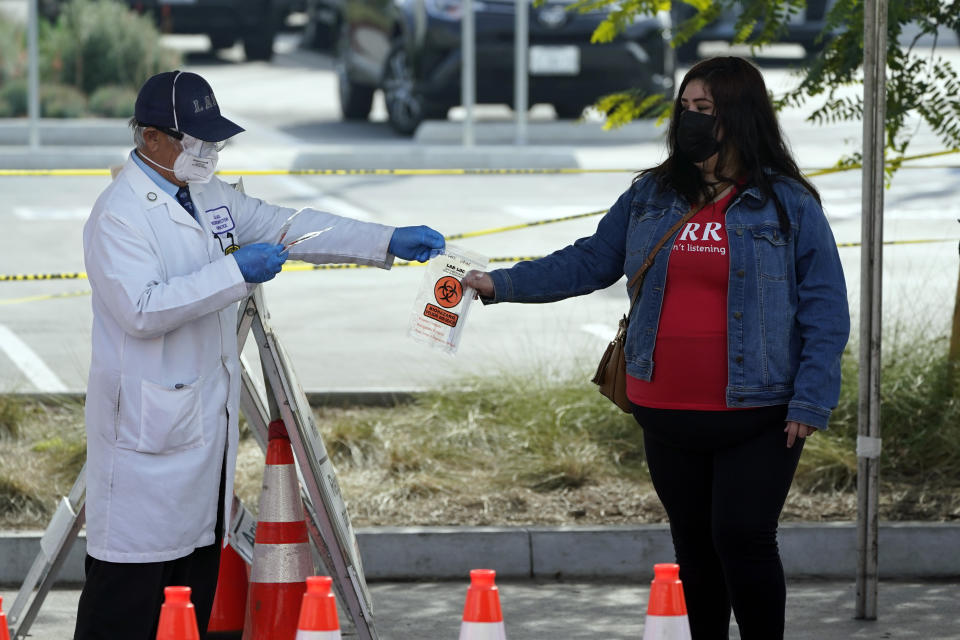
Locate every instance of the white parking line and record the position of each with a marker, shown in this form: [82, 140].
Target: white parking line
[321, 201]
[51, 213]
[29, 362]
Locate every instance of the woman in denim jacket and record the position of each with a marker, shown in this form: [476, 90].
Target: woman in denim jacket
[733, 349]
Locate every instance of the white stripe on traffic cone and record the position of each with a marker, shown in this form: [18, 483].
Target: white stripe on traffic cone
[281, 551]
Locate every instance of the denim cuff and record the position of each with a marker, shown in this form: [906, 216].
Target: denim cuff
[502, 287]
[808, 414]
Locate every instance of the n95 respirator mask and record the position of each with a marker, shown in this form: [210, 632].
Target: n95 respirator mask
[197, 161]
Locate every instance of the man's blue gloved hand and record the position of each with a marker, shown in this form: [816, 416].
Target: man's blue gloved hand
[260, 262]
[416, 243]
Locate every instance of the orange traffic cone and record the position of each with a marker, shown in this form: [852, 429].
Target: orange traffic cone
[4, 629]
[281, 552]
[482, 619]
[666, 609]
[230, 601]
[178, 620]
[318, 614]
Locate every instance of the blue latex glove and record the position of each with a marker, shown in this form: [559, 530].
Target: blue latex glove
[260, 262]
[416, 243]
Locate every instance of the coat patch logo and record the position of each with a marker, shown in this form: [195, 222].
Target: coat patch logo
[220, 219]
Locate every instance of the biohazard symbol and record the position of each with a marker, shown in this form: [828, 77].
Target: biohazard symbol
[448, 292]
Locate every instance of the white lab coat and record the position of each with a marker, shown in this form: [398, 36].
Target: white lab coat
[163, 391]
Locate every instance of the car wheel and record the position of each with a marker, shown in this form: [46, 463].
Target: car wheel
[568, 111]
[356, 100]
[221, 40]
[405, 105]
[258, 45]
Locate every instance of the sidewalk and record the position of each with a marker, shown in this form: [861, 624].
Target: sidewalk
[908, 551]
[96, 143]
[552, 610]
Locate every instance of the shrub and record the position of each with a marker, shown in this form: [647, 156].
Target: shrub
[62, 101]
[13, 95]
[101, 42]
[112, 101]
[12, 413]
[13, 51]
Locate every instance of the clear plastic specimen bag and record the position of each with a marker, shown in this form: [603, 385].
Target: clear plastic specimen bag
[440, 310]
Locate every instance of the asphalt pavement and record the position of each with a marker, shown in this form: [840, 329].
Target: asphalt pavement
[553, 610]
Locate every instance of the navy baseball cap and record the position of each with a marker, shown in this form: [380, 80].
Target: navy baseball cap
[182, 101]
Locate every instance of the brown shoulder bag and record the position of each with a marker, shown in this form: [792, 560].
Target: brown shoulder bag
[611, 375]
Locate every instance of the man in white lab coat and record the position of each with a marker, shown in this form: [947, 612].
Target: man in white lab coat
[170, 249]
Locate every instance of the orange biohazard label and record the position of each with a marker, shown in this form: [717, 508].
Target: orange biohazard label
[448, 291]
[438, 314]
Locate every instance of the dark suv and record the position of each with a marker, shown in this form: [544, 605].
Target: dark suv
[255, 22]
[411, 50]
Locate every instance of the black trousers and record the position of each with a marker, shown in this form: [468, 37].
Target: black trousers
[121, 601]
[723, 477]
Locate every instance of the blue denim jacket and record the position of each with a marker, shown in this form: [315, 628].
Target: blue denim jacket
[787, 321]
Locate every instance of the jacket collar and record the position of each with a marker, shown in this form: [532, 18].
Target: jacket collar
[151, 196]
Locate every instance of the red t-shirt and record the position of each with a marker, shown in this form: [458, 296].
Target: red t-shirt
[690, 355]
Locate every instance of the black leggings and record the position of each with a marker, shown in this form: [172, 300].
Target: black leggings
[723, 477]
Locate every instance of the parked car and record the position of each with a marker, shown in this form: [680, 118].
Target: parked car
[254, 22]
[411, 50]
[803, 28]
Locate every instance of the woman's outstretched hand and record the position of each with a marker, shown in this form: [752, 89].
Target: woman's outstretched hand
[796, 430]
[479, 281]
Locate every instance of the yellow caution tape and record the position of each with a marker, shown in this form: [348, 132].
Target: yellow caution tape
[51, 296]
[425, 172]
[303, 266]
[60, 173]
[78, 275]
[524, 225]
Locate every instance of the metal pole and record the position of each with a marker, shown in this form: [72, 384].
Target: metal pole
[33, 74]
[468, 71]
[871, 287]
[521, 42]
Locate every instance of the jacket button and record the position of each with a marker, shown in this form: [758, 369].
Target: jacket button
[737, 315]
[740, 273]
[739, 399]
[739, 359]
[739, 232]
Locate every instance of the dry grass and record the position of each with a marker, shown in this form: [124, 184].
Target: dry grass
[39, 460]
[515, 450]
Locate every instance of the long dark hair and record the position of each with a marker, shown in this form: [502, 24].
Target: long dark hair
[752, 139]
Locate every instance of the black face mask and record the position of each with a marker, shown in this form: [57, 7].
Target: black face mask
[695, 135]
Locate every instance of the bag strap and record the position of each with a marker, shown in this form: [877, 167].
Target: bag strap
[637, 278]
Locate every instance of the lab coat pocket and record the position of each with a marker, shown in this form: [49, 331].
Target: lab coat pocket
[170, 417]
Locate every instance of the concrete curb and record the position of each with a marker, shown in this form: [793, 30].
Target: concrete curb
[74, 132]
[319, 157]
[364, 398]
[538, 133]
[911, 550]
[97, 143]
